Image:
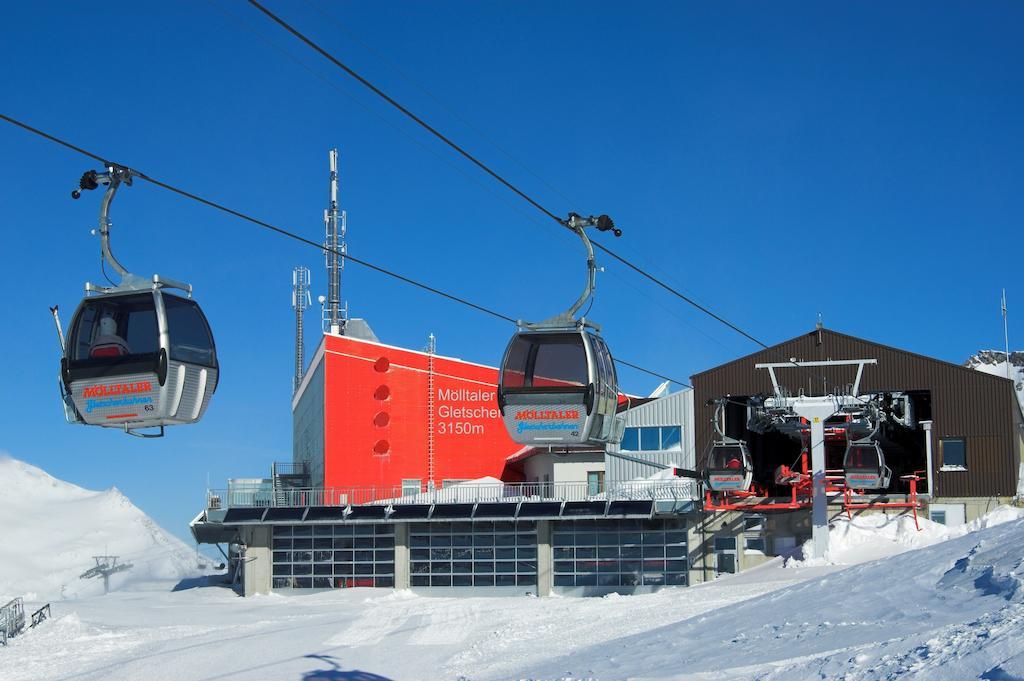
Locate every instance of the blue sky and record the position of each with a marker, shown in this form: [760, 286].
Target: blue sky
[772, 160]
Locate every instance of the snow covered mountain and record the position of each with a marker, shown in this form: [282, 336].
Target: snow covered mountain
[994, 362]
[51, 529]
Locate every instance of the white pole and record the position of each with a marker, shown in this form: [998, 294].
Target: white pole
[1006, 336]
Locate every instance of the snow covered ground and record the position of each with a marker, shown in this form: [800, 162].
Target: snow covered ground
[885, 602]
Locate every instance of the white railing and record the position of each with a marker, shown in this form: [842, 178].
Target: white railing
[462, 493]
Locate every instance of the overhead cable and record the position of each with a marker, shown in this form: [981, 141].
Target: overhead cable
[287, 233]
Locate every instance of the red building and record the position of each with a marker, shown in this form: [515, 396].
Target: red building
[375, 415]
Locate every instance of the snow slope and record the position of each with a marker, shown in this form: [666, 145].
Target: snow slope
[50, 530]
[948, 612]
[952, 610]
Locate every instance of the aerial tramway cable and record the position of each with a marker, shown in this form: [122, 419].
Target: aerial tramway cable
[487, 169]
[289, 234]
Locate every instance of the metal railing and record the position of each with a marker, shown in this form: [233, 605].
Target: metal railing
[462, 493]
[12, 619]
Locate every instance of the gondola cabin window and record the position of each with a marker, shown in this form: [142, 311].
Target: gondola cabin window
[190, 334]
[116, 327]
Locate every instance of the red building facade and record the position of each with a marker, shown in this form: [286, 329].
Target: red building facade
[374, 415]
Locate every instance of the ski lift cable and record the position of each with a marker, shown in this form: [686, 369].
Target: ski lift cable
[291, 235]
[487, 169]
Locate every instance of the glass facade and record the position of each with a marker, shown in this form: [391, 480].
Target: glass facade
[480, 553]
[614, 553]
[652, 439]
[604, 554]
[333, 556]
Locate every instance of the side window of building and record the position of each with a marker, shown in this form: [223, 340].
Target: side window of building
[595, 482]
[954, 453]
[652, 439]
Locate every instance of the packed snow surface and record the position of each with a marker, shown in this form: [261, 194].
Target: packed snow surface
[886, 602]
[50, 530]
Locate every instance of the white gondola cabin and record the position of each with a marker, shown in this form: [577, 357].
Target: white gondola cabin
[864, 466]
[559, 388]
[729, 468]
[136, 356]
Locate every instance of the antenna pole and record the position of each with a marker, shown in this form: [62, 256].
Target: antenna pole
[1006, 336]
[335, 224]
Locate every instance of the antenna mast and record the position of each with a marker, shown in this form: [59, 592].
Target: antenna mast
[335, 223]
[1006, 337]
[300, 301]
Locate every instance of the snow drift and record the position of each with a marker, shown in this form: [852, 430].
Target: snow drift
[51, 529]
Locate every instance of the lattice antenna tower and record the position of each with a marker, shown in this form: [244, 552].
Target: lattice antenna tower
[336, 225]
[300, 301]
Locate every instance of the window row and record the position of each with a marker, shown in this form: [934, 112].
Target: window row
[630, 566]
[379, 555]
[622, 579]
[473, 580]
[612, 538]
[652, 439]
[476, 567]
[379, 542]
[331, 582]
[478, 553]
[475, 539]
[336, 569]
[608, 552]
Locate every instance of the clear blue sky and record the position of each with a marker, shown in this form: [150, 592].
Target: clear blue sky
[773, 160]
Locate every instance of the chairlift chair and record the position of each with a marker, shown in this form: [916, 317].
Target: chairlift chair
[557, 385]
[136, 355]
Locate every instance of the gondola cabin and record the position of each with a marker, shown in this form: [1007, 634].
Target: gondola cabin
[559, 388]
[139, 359]
[864, 466]
[729, 467]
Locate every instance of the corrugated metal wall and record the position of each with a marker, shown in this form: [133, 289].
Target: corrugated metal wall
[965, 403]
[672, 410]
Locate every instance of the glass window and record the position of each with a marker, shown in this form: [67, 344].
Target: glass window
[671, 438]
[513, 373]
[630, 440]
[725, 543]
[939, 517]
[954, 452]
[115, 326]
[650, 439]
[561, 361]
[753, 523]
[190, 334]
[595, 482]
[755, 544]
[410, 486]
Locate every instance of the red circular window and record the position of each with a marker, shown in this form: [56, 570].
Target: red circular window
[382, 393]
[381, 419]
[382, 447]
[382, 365]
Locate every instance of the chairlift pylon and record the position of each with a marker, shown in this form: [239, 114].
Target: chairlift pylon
[136, 356]
[557, 384]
